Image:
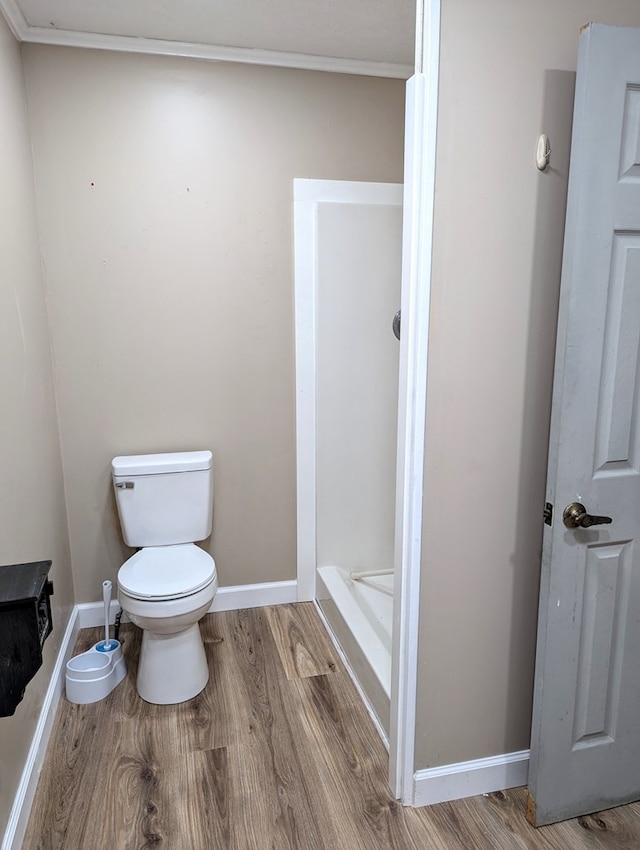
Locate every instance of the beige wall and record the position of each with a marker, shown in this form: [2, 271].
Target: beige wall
[506, 77]
[165, 198]
[32, 515]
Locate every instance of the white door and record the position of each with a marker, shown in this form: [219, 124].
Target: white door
[585, 748]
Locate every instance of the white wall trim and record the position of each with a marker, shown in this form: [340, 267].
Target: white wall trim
[255, 595]
[469, 778]
[305, 216]
[185, 49]
[345, 192]
[19, 815]
[14, 18]
[420, 170]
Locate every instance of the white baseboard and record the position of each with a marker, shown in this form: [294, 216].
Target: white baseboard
[469, 778]
[255, 595]
[91, 614]
[19, 815]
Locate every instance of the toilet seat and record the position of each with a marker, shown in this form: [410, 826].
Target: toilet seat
[162, 573]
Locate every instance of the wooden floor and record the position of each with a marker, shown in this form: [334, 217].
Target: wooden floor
[277, 753]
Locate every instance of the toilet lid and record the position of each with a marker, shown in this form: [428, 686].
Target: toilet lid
[167, 572]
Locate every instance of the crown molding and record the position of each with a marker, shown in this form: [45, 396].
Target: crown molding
[208, 52]
[14, 18]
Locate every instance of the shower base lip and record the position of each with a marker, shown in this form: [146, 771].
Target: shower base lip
[376, 648]
[356, 575]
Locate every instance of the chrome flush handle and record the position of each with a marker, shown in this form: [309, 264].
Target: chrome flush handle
[396, 325]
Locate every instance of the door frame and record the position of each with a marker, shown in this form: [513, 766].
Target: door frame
[418, 201]
[421, 124]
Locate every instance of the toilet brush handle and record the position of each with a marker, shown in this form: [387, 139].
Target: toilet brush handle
[106, 595]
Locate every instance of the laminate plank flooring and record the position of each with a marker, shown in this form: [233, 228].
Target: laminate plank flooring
[301, 641]
[277, 753]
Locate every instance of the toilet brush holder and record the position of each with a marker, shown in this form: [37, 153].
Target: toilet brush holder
[92, 675]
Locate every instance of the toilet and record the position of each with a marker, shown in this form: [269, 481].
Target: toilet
[165, 505]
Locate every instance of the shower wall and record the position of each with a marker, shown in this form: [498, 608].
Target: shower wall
[358, 294]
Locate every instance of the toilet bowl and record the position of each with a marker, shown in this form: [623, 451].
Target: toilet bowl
[167, 586]
[166, 590]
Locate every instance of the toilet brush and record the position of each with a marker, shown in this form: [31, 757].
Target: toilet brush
[108, 644]
[92, 675]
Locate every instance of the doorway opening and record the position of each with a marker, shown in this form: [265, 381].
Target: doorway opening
[348, 246]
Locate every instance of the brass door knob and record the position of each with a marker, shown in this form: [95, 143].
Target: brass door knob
[575, 516]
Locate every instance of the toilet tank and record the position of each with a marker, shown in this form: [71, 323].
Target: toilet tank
[164, 499]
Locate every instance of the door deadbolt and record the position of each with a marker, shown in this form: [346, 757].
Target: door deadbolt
[575, 516]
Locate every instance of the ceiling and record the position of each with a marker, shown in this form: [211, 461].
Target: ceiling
[353, 36]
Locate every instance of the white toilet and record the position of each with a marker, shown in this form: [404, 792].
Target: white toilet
[165, 504]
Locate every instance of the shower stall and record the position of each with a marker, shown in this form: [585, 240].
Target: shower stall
[348, 264]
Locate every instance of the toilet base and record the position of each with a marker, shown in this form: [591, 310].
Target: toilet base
[172, 667]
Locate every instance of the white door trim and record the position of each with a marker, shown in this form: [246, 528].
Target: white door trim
[420, 169]
[307, 194]
[419, 194]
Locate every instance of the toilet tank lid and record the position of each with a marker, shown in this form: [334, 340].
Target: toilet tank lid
[158, 463]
